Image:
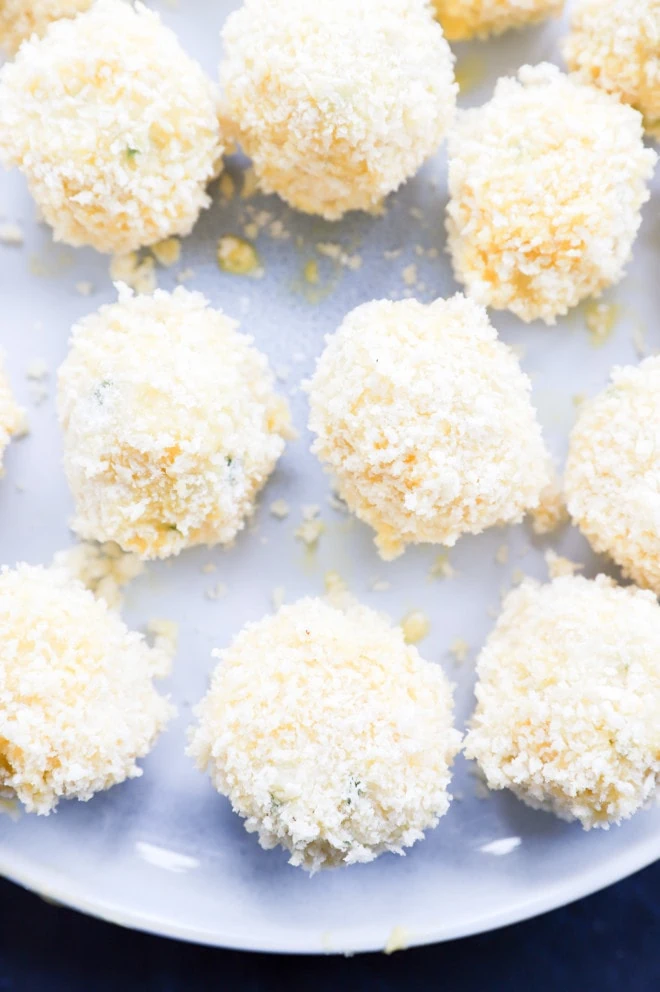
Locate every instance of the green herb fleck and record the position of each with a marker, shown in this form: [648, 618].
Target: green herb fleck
[131, 153]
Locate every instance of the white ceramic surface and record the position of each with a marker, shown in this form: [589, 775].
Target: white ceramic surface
[164, 853]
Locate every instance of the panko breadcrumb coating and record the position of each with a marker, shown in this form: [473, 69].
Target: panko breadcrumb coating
[114, 126]
[615, 44]
[612, 475]
[424, 419]
[464, 19]
[12, 416]
[329, 735]
[568, 699]
[77, 702]
[20, 19]
[546, 183]
[337, 103]
[171, 423]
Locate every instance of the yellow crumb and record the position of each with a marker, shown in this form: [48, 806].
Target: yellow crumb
[502, 554]
[139, 274]
[460, 649]
[227, 186]
[167, 252]
[442, 567]
[280, 509]
[600, 319]
[558, 566]
[311, 271]
[165, 634]
[238, 256]
[415, 626]
[398, 940]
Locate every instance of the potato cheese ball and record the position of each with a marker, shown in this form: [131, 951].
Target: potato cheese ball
[612, 479]
[20, 19]
[114, 126]
[546, 183]
[12, 416]
[77, 701]
[615, 44]
[464, 19]
[330, 735]
[337, 103]
[568, 699]
[171, 424]
[424, 419]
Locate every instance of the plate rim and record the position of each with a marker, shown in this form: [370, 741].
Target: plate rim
[48, 886]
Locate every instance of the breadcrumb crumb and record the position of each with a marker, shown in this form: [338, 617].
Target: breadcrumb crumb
[330, 735]
[104, 569]
[13, 418]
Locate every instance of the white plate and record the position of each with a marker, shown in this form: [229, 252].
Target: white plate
[165, 853]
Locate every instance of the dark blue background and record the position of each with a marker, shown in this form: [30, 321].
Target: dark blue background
[609, 942]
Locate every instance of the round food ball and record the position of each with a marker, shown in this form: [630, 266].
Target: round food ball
[568, 699]
[20, 19]
[424, 419]
[337, 103]
[616, 45]
[546, 183]
[114, 126]
[612, 479]
[330, 735]
[12, 416]
[171, 424]
[77, 702]
[464, 19]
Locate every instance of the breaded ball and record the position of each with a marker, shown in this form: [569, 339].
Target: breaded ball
[12, 416]
[612, 476]
[114, 126]
[171, 424]
[546, 183]
[330, 735]
[615, 44]
[337, 103]
[464, 19]
[424, 419]
[568, 699]
[77, 702]
[20, 19]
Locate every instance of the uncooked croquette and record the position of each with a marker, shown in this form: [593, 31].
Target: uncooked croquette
[568, 699]
[20, 19]
[114, 126]
[337, 103]
[464, 19]
[171, 424]
[616, 45]
[330, 735]
[424, 419]
[612, 477]
[546, 182]
[77, 701]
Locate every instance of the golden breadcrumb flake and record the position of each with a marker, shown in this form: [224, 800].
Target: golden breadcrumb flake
[568, 699]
